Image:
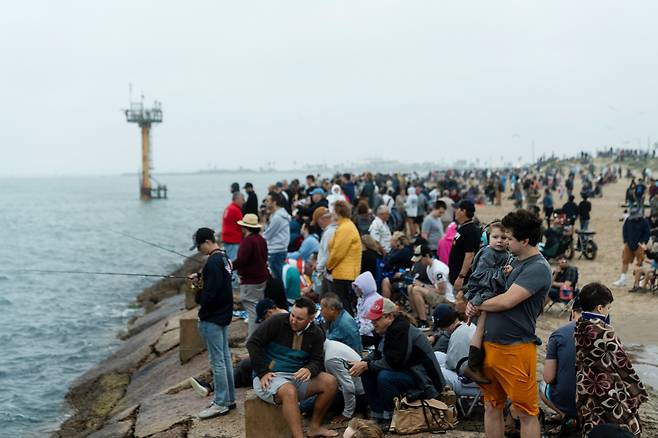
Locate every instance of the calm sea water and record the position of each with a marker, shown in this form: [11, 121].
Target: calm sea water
[53, 327]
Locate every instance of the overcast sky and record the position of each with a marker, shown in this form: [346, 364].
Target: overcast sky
[252, 82]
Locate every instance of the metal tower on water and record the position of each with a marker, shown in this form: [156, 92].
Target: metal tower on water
[145, 117]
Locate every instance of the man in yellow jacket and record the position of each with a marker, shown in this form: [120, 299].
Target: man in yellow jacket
[344, 262]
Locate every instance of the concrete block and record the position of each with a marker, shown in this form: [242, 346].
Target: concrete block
[263, 419]
[191, 342]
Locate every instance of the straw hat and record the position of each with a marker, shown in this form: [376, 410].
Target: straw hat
[249, 220]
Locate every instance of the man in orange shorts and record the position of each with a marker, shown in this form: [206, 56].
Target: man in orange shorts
[510, 342]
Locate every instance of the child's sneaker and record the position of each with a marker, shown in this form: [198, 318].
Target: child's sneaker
[474, 369]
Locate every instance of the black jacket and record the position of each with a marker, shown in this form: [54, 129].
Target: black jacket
[251, 205]
[406, 348]
[216, 297]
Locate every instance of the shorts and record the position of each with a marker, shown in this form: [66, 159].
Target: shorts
[419, 219]
[277, 382]
[512, 371]
[628, 256]
[431, 296]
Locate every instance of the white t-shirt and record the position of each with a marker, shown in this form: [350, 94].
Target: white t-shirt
[438, 274]
[411, 205]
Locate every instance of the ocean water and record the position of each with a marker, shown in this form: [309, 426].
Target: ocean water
[54, 327]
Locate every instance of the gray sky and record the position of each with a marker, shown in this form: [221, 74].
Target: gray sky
[248, 82]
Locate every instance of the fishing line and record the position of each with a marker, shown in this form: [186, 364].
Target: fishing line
[155, 245]
[126, 274]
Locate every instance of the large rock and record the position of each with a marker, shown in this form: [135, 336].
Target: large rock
[237, 332]
[163, 310]
[126, 359]
[122, 429]
[179, 431]
[229, 426]
[167, 341]
[158, 376]
[173, 322]
[263, 419]
[163, 411]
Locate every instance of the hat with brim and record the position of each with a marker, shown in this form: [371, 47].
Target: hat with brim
[381, 307]
[443, 316]
[419, 252]
[200, 236]
[262, 307]
[249, 220]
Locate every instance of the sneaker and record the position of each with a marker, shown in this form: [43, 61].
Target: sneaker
[423, 325]
[213, 411]
[200, 387]
[619, 283]
[232, 406]
[635, 289]
[475, 376]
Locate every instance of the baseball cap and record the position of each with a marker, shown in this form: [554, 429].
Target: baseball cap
[317, 191]
[466, 205]
[421, 251]
[318, 213]
[382, 306]
[200, 236]
[262, 307]
[443, 316]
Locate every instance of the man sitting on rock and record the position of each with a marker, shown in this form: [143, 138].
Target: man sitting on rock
[287, 355]
[341, 326]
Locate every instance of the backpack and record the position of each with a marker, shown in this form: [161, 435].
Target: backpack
[395, 220]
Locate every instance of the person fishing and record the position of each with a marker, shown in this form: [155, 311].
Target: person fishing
[215, 299]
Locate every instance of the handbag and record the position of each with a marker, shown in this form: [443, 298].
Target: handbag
[422, 415]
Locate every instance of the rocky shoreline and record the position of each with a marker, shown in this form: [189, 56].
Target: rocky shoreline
[141, 390]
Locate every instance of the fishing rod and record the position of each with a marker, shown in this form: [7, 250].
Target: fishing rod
[155, 245]
[125, 274]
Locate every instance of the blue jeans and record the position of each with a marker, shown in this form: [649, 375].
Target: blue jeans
[231, 250]
[382, 387]
[219, 354]
[276, 261]
[584, 224]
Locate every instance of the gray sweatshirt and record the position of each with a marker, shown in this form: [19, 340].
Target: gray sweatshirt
[335, 356]
[323, 254]
[277, 233]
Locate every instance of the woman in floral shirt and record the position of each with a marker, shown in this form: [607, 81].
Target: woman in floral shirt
[608, 389]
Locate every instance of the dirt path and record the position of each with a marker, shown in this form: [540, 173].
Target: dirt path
[633, 315]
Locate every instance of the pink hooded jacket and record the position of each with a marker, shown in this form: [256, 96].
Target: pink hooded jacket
[445, 243]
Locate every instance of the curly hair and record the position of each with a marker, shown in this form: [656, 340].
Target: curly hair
[523, 225]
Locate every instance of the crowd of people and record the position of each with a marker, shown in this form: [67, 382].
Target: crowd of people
[362, 288]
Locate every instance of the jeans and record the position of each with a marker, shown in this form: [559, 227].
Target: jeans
[382, 387]
[276, 261]
[219, 355]
[231, 250]
[250, 295]
[584, 224]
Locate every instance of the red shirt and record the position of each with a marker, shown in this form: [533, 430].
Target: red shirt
[231, 231]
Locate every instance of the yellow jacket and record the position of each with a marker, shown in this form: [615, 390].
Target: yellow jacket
[344, 261]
